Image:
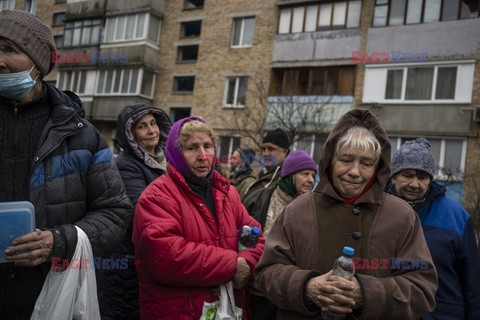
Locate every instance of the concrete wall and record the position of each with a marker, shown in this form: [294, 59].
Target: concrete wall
[451, 120]
[85, 9]
[138, 54]
[324, 45]
[135, 5]
[108, 108]
[447, 39]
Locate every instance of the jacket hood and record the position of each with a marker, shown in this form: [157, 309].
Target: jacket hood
[129, 115]
[364, 118]
[64, 102]
[174, 151]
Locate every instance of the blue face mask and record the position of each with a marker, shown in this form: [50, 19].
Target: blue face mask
[16, 85]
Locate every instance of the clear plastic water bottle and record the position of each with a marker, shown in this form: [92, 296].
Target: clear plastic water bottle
[342, 267]
[247, 237]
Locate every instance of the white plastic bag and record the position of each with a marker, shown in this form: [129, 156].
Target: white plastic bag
[72, 293]
[225, 309]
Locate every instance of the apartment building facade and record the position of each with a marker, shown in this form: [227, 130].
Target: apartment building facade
[249, 66]
[214, 57]
[413, 63]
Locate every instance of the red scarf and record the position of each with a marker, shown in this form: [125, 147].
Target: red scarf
[367, 187]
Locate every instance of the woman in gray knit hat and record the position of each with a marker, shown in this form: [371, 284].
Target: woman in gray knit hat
[53, 157]
[448, 230]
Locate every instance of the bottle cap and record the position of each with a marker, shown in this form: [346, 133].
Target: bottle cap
[255, 231]
[348, 251]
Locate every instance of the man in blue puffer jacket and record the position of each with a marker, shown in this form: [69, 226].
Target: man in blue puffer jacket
[53, 157]
[448, 230]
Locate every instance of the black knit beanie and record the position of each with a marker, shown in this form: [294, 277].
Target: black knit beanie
[31, 34]
[278, 137]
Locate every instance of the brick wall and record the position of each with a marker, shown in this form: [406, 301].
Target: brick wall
[216, 59]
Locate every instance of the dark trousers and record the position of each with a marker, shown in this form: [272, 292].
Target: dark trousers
[262, 308]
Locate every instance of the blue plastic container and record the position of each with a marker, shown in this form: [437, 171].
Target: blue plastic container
[16, 219]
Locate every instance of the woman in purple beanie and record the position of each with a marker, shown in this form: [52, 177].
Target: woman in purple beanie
[296, 178]
[185, 231]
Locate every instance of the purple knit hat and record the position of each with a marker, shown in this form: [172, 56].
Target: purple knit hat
[174, 152]
[296, 161]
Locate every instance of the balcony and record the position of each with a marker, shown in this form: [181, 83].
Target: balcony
[457, 39]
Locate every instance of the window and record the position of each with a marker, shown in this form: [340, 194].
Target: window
[72, 80]
[82, 33]
[193, 4]
[148, 83]
[119, 81]
[235, 92]
[414, 11]
[312, 144]
[7, 4]
[242, 35]
[313, 81]
[394, 84]
[420, 84]
[58, 19]
[190, 29]
[446, 77]
[308, 18]
[187, 53]
[398, 12]
[449, 155]
[30, 6]
[138, 26]
[227, 147]
[178, 113]
[183, 84]
[440, 82]
[58, 41]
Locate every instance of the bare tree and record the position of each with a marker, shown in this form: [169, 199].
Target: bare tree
[298, 116]
[249, 121]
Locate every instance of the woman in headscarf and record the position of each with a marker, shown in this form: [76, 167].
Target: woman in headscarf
[185, 231]
[142, 132]
[348, 208]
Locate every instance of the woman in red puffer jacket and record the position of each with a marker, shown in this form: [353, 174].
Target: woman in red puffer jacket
[185, 231]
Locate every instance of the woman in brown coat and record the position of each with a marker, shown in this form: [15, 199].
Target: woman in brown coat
[395, 277]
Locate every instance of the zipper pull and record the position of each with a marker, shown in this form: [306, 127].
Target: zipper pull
[15, 109]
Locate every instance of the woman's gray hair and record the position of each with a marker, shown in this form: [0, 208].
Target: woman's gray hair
[359, 138]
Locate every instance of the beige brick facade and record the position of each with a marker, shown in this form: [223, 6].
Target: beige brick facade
[216, 59]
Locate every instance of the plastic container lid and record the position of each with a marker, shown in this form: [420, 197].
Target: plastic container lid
[255, 231]
[348, 251]
[16, 219]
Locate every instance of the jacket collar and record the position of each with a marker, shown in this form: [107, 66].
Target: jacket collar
[65, 105]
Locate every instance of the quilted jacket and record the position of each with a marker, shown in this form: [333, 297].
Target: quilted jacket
[182, 251]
